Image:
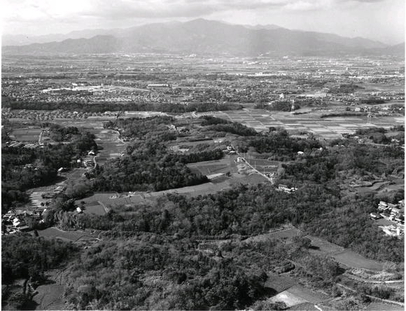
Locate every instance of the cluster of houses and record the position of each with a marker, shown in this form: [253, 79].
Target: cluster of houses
[391, 212]
[394, 212]
[16, 221]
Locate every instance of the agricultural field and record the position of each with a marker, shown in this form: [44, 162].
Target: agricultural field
[327, 128]
[279, 283]
[227, 164]
[95, 209]
[108, 140]
[112, 200]
[298, 294]
[343, 256]
[354, 260]
[28, 134]
[50, 297]
[111, 144]
[379, 306]
[69, 236]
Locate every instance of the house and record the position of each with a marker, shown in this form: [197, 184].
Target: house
[285, 188]
[383, 207]
[392, 230]
[375, 216]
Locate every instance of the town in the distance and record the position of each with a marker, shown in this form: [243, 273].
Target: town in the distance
[200, 175]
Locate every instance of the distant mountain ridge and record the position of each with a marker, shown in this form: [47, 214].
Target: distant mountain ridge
[202, 37]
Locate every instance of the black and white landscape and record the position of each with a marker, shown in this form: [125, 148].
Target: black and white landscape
[190, 155]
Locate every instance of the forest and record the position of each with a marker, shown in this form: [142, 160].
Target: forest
[151, 167]
[155, 272]
[8, 102]
[220, 125]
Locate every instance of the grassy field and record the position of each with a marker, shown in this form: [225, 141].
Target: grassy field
[63, 235]
[112, 199]
[379, 306]
[322, 247]
[344, 256]
[95, 209]
[279, 283]
[355, 260]
[50, 297]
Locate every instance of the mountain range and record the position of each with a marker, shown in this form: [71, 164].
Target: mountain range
[200, 36]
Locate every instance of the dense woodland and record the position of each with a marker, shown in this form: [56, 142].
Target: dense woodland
[8, 102]
[280, 105]
[153, 272]
[60, 133]
[279, 145]
[221, 125]
[149, 167]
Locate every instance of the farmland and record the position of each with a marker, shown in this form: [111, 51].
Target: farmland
[28, 134]
[69, 236]
[297, 295]
[108, 140]
[327, 128]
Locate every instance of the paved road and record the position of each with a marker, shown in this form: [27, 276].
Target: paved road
[357, 278]
[254, 169]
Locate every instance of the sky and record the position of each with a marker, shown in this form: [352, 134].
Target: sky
[382, 20]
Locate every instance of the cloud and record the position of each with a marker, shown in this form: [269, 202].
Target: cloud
[24, 10]
[173, 8]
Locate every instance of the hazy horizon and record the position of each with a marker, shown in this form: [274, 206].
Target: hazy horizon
[380, 20]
